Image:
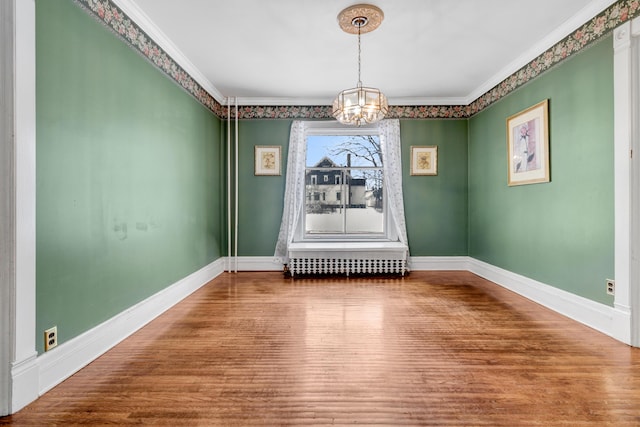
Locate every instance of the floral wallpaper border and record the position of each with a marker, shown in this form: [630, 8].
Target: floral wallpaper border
[601, 25]
[117, 21]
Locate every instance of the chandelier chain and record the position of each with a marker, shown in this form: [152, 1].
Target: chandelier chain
[359, 52]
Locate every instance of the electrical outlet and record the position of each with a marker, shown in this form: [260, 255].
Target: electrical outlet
[611, 287]
[50, 338]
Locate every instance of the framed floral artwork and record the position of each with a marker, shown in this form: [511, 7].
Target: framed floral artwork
[267, 160]
[528, 145]
[424, 160]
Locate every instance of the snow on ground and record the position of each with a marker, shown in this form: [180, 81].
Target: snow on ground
[367, 220]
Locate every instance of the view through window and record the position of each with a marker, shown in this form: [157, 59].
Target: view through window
[343, 186]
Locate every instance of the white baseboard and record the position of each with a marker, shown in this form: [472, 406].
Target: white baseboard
[24, 380]
[53, 367]
[254, 263]
[611, 321]
[431, 263]
[257, 263]
[608, 320]
[58, 364]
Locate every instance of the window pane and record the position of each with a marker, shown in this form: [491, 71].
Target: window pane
[359, 150]
[364, 213]
[343, 185]
[324, 210]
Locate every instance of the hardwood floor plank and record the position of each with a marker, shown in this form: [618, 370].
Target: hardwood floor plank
[433, 348]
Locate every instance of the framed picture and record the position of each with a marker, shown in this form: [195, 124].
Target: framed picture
[424, 160]
[528, 145]
[267, 160]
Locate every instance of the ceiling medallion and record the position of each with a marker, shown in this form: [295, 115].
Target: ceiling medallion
[360, 105]
[372, 14]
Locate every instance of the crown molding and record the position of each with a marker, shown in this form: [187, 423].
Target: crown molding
[158, 36]
[417, 101]
[584, 15]
[130, 8]
[292, 101]
[278, 101]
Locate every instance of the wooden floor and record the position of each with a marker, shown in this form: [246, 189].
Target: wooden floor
[434, 348]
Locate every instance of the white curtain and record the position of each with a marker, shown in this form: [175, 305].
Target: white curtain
[294, 190]
[295, 180]
[392, 165]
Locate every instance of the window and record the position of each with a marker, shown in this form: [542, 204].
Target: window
[350, 165]
[376, 209]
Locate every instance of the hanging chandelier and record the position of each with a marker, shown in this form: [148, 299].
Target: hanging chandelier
[360, 105]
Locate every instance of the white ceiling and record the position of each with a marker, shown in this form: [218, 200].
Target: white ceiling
[292, 52]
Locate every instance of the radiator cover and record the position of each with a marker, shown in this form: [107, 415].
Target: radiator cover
[348, 258]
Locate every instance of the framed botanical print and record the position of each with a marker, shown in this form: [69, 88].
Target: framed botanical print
[424, 160]
[267, 160]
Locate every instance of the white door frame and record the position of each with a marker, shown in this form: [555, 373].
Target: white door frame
[7, 253]
[635, 182]
[626, 41]
[18, 365]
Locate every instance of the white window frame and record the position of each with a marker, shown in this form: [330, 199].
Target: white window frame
[335, 128]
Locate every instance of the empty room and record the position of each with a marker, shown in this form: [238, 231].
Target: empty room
[302, 212]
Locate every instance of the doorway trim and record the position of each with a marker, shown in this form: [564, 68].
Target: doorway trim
[18, 369]
[626, 66]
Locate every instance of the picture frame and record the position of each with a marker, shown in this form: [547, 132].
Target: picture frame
[424, 160]
[528, 145]
[267, 160]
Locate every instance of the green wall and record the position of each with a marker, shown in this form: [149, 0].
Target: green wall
[562, 232]
[260, 198]
[435, 206]
[128, 175]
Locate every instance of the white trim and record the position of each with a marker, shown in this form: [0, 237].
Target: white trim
[598, 316]
[570, 25]
[454, 263]
[627, 182]
[611, 321]
[635, 186]
[7, 200]
[283, 101]
[439, 263]
[24, 382]
[583, 16]
[258, 263]
[622, 162]
[148, 26]
[157, 35]
[60, 363]
[407, 100]
[22, 330]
